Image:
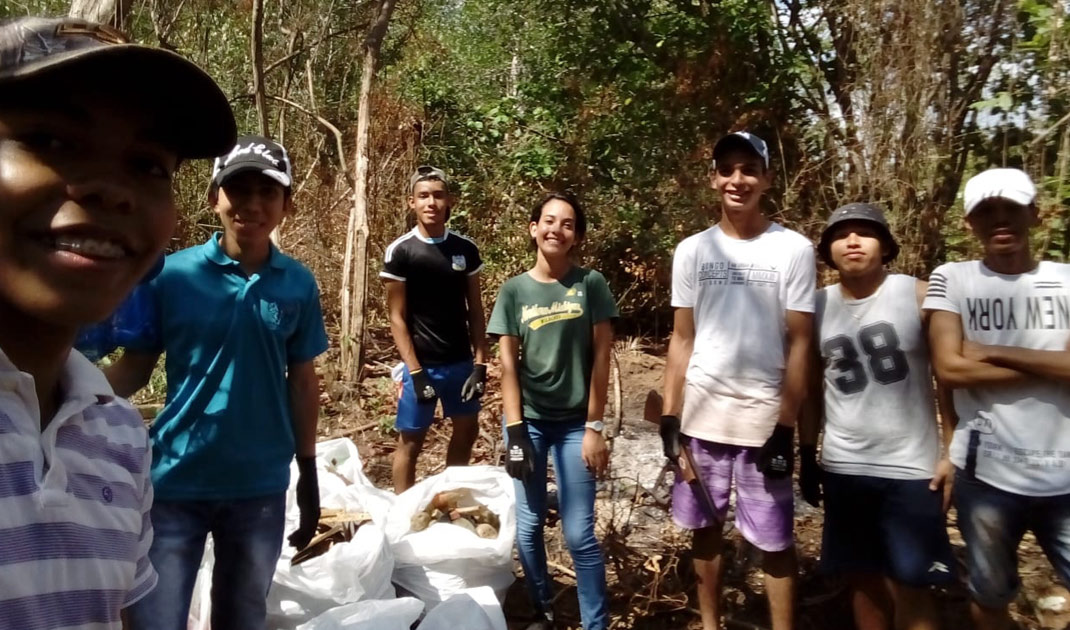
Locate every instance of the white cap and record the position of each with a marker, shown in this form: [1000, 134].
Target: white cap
[1005, 183]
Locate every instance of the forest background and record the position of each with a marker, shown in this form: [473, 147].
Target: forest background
[895, 102]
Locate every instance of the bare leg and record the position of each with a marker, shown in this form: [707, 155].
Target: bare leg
[463, 438]
[781, 569]
[915, 608]
[871, 601]
[706, 546]
[409, 446]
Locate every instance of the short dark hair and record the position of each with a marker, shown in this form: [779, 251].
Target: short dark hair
[569, 198]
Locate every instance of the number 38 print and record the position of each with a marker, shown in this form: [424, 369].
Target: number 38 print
[880, 343]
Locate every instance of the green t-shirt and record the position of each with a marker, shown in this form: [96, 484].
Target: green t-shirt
[554, 322]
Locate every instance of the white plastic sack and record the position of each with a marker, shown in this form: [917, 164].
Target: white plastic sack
[473, 609]
[394, 614]
[200, 608]
[360, 569]
[446, 559]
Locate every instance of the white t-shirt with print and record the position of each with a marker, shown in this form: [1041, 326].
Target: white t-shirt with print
[740, 291]
[1018, 436]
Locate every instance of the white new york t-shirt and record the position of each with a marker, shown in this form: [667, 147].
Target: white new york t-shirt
[1018, 436]
[740, 291]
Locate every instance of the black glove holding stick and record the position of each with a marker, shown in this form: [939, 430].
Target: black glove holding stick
[809, 474]
[421, 384]
[475, 384]
[520, 456]
[308, 502]
[776, 459]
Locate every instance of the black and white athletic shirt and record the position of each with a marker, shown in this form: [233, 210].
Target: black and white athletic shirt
[435, 272]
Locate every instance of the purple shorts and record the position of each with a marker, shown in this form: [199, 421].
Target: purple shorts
[765, 508]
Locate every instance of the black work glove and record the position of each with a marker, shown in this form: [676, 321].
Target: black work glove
[421, 384]
[670, 437]
[520, 456]
[308, 502]
[475, 383]
[777, 456]
[809, 475]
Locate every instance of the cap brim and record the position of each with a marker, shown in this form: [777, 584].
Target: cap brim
[1019, 197]
[247, 167]
[192, 108]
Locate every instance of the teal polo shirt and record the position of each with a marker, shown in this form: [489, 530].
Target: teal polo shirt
[226, 431]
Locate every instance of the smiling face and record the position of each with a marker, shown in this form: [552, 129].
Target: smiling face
[741, 178]
[431, 202]
[1002, 226]
[86, 205]
[855, 248]
[250, 205]
[555, 231]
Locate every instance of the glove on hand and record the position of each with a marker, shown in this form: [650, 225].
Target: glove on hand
[520, 456]
[670, 437]
[421, 384]
[809, 475]
[475, 384]
[308, 502]
[777, 456]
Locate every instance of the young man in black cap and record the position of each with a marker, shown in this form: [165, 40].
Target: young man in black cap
[737, 374]
[436, 317]
[92, 129]
[885, 487]
[241, 325]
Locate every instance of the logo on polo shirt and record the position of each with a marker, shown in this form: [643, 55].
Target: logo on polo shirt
[459, 263]
[279, 314]
[107, 494]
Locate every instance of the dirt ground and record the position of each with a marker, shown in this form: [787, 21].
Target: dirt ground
[649, 572]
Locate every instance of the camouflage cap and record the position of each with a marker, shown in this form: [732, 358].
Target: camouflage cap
[187, 99]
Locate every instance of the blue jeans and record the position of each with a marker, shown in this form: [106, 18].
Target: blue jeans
[576, 490]
[248, 540]
[993, 522]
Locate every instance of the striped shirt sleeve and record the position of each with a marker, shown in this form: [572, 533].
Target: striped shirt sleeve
[940, 294]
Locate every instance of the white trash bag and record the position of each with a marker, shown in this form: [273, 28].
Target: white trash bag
[392, 614]
[200, 608]
[360, 569]
[472, 609]
[445, 559]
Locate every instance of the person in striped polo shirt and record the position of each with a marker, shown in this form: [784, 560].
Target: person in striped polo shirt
[91, 130]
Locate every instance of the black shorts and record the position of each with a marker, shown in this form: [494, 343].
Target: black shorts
[892, 527]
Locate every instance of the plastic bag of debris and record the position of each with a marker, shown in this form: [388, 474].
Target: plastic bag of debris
[349, 559]
[471, 609]
[444, 558]
[394, 614]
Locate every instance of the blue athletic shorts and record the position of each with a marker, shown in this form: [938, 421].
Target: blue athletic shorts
[892, 527]
[447, 381]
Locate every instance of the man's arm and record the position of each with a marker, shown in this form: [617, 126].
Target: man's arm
[477, 322]
[1050, 364]
[131, 372]
[509, 353]
[813, 406]
[399, 327]
[681, 345]
[797, 367]
[953, 367]
[304, 405]
[603, 345]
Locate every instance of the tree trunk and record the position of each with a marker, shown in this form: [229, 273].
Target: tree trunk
[355, 265]
[256, 45]
[111, 12]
